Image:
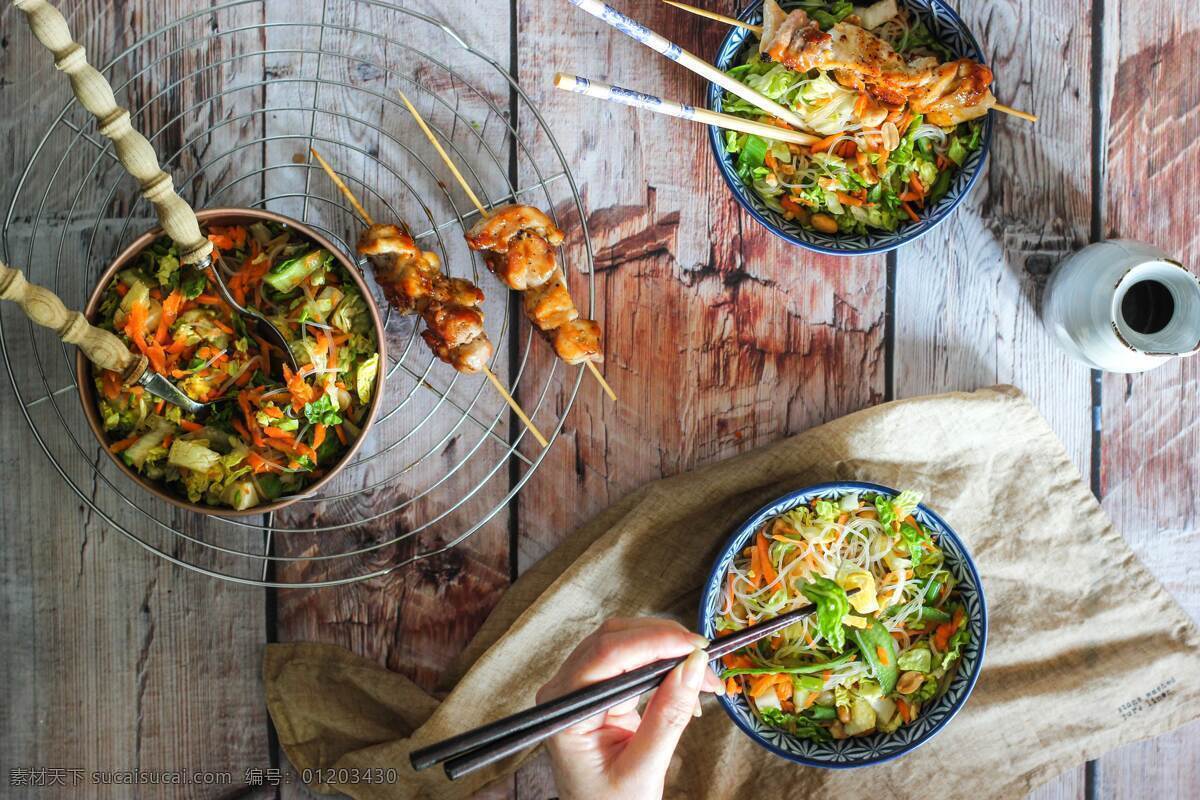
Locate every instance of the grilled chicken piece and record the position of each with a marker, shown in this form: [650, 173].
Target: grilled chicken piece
[453, 324]
[519, 244]
[577, 341]
[528, 262]
[506, 223]
[407, 274]
[457, 291]
[958, 92]
[948, 93]
[412, 281]
[800, 44]
[550, 305]
[470, 357]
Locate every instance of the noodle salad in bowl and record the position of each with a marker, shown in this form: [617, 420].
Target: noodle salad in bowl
[900, 145]
[894, 641]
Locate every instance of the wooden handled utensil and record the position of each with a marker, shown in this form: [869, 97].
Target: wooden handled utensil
[136, 154]
[101, 347]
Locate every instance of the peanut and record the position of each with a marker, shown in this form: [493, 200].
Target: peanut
[909, 682]
[844, 713]
[824, 223]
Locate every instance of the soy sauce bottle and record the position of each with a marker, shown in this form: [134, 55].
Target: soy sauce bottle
[1123, 306]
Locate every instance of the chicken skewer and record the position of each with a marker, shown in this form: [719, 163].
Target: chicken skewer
[951, 92]
[517, 241]
[412, 282]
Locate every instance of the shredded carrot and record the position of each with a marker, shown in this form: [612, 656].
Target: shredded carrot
[860, 105]
[170, 311]
[122, 289]
[882, 652]
[911, 214]
[824, 144]
[167, 440]
[110, 384]
[341, 434]
[791, 206]
[915, 183]
[135, 324]
[812, 698]
[905, 711]
[221, 241]
[941, 637]
[732, 686]
[756, 572]
[850, 200]
[189, 426]
[159, 406]
[123, 444]
[737, 661]
[826, 675]
[783, 690]
[761, 684]
[764, 559]
[318, 435]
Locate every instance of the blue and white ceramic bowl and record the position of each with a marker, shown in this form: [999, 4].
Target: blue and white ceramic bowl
[950, 30]
[858, 751]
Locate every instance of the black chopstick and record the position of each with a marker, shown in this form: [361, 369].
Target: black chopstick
[506, 746]
[517, 731]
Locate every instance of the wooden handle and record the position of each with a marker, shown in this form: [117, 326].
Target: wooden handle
[133, 150]
[45, 308]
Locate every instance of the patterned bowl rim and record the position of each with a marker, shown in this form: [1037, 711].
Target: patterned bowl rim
[910, 232]
[791, 500]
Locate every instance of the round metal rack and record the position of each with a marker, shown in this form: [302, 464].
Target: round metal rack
[232, 98]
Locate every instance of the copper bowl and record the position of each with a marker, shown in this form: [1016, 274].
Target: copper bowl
[222, 217]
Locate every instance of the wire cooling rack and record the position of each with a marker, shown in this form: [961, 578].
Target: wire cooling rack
[232, 97]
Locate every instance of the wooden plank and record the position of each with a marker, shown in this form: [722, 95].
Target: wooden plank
[967, 295]
[719, 337]
[103, 644]
[424, 458]
[1151, 436]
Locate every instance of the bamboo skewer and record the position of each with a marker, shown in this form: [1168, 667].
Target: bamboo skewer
[516, 407]
[618, 94]
[1025, 115]
[757, 30]
[337, 181]
[701, 12]
[483, 211]
[503, 392]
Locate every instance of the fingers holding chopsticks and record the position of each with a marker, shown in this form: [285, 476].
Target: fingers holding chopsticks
[619, 753]
[668, 713]
[620, 645]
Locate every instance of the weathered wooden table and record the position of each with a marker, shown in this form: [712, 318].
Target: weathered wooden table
[720, 338]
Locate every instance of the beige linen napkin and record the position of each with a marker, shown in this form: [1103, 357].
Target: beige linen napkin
[1086, 650]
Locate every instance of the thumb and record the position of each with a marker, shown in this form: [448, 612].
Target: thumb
[667, 714]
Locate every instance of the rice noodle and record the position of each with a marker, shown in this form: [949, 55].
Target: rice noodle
[845, 546]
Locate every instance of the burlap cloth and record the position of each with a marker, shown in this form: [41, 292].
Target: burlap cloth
[1086, 651]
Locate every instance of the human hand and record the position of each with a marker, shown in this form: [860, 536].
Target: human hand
[619, 753]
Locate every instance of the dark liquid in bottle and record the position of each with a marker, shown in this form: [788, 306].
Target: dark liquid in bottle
[1147, 307]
